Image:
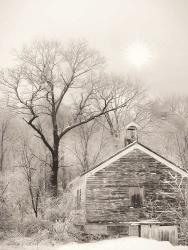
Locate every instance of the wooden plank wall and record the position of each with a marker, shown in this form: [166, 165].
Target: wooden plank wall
[107, 191]
[162, 233]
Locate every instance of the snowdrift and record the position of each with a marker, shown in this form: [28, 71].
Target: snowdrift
[129, 243]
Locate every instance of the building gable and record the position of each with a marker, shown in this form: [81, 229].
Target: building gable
[137, 146]
[126, 190]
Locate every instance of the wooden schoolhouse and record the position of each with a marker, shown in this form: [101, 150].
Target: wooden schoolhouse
[135, 192]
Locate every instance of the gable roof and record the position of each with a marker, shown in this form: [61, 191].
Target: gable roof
[143, 148]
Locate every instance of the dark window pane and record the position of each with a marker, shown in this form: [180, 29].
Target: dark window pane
[136, 197]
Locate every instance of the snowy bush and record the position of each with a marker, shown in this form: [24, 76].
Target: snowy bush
[33, 226]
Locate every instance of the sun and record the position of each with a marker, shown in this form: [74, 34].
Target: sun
[138, 54]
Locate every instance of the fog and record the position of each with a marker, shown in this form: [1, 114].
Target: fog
[110, 26]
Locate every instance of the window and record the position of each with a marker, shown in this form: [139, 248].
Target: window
[136, 196]
[78, 199]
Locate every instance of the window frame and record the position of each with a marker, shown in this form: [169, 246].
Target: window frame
[139, 192]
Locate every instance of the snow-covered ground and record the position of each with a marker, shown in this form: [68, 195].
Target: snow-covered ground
[130, 243]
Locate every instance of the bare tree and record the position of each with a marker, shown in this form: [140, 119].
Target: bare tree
[5, 214]
[49, 81]
[3, 137]
[115, 122]
[170, 201]
[170, 120]
[34, 181]
[89, 145]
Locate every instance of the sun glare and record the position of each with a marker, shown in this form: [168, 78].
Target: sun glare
[138, 54]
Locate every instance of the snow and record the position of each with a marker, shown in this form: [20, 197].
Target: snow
[129, 243]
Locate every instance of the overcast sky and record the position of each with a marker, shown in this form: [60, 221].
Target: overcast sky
[110, 26]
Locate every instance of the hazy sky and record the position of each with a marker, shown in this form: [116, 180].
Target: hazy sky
[110, 26]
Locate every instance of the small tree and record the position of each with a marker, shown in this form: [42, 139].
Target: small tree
[6, 138]
[4, 126]
[30, 163]
[5, 211]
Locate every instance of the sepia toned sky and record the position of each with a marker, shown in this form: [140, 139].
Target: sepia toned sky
[111, 26]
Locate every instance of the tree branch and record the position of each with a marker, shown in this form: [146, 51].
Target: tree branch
[103, 112]
[30, 123]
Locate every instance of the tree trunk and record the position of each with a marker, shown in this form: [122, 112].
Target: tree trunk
[54, 174]
[55, 152]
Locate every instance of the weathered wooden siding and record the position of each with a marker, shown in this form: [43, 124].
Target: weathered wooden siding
[79, 184]
[107, 193]
[162, 233]
[78, 213]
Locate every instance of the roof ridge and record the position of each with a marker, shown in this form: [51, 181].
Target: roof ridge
[128, 146]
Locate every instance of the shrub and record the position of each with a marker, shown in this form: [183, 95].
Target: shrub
[33, 226]
[55, 214]
[58, 209]
[6, 219]
[81, 236]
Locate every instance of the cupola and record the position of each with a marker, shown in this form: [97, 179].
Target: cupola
[131, 133]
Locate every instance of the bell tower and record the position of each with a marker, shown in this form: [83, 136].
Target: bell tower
[131, 133]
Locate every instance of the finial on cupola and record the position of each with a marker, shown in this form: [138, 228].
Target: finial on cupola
[131, 133]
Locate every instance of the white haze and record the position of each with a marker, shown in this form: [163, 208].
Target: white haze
[110, 26]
